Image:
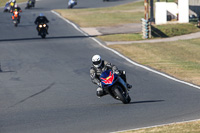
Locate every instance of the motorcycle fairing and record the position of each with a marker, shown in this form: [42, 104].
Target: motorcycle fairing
[107, 78]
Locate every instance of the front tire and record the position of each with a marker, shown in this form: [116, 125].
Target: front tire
[43, 36]
[16, 24]
[122, 95]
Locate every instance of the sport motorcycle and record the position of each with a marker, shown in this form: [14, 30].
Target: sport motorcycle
[114, 85]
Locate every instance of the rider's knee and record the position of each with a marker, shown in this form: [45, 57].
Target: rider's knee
[100, 92]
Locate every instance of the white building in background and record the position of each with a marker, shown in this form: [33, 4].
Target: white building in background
[183, 11]
[167, 11]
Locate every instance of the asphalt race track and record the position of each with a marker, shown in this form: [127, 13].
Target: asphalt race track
[45, 85]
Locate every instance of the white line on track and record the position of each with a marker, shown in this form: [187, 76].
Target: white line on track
[132, 62]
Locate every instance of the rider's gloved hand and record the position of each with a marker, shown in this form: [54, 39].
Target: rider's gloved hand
[116, 72]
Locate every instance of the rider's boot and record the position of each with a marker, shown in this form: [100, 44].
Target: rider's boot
[129, 86]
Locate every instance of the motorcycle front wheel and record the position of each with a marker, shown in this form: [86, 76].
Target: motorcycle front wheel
[43, 36]
[16, 24]
[122, 95]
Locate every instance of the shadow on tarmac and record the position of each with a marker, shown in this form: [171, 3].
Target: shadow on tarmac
[150, 101]
[47, 38]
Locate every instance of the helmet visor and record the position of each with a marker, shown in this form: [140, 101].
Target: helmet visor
[97, 62]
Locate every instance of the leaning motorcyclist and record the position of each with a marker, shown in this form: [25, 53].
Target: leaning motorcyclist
[41, 19]
[7, 7]
[16, 9]
[99, 66]
[32, 2]
[72, 2]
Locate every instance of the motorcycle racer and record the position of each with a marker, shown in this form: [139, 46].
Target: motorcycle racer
[72, 3]
[41, 19]
[16, 9]
[99, 66]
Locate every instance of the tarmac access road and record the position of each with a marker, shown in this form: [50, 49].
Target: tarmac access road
[45, 85]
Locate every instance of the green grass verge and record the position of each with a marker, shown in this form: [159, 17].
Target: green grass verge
[189, 127]
[128, 13]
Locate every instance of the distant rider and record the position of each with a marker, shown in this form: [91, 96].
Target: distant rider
[17, 9]
[70, 2]
[41, 19]
[32, 2]
[99, 66]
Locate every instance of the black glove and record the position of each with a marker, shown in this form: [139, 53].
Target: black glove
[116, 72]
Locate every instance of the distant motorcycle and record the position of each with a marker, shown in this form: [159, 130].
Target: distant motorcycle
[105, 0]
[7, 7]
[115, 86]
[16, 18]
[42, 30]
[30, 4]
[72, 3]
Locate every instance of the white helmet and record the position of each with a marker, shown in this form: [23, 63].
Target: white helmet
[16, 5]
[96, 60]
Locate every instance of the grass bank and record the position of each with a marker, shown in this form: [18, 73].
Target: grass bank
[189, 127]
[158, 31]
[110, 16]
